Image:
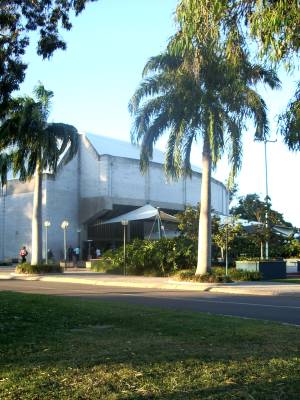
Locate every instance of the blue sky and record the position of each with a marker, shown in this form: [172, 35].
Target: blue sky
[94, 79]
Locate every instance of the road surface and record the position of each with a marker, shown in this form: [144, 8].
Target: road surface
[273, 308]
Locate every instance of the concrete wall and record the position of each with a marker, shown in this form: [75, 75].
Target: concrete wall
[15, 224]
[88, 185]
[60, 200]
[61, 203]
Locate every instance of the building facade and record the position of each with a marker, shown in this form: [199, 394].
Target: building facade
[102, 181]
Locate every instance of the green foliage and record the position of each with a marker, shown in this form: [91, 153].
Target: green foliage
[235, 28]
[5, 263]
[240, 275]
[217, 275]
[290, 122]
[154, 258]
[251, 208]
[189, 222]
[106, 264]
[291, 248]
[26, 268]
[17, 20]
[225, 233]
[213, 278]
[28, 141]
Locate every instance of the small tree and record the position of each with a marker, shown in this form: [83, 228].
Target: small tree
[225, 233]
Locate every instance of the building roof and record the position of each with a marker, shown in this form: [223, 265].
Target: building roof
[121, 148]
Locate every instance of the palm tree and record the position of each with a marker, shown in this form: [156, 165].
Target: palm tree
[210, 99]
[29, 145]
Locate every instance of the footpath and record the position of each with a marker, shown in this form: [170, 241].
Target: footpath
[86, 277]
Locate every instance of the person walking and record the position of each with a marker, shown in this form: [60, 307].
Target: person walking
[23, 254]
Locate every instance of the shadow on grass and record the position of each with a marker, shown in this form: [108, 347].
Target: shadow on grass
[72, 349]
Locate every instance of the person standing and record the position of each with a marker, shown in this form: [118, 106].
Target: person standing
[23, 254]
[98, 253]
[70, 254]
[77, 253]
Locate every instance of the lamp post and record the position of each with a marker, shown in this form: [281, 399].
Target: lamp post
[78, 233]
[89, 241]
[47, 224]
[158, 224]
[124, 222]
[64, 226]
[267, 197]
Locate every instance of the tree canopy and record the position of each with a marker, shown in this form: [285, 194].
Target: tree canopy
[17, 19]
[268, 29]
[250, 207]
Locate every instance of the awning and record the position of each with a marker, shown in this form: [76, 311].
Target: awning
[283, 230]
[145, 212]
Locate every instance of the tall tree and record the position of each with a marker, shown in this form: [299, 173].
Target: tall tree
[29, 146]
[270, 29]
[250, 207]
[17, 19]
[198, 96]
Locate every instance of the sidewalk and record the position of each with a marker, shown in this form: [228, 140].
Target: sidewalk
[94, 278]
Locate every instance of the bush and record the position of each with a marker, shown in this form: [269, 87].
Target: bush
[241, 275]
[105, 265]
[217, 275]
[26, 268]
[152, 258]
[211, 277]
[185, 275]
[5, 263]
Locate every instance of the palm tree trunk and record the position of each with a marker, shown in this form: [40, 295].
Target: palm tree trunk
[36, 247]
[204, 237]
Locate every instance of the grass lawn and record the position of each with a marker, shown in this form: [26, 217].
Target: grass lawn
[288, 280]
[64, 348]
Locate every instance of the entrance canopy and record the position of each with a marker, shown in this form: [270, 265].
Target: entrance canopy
[145, 212]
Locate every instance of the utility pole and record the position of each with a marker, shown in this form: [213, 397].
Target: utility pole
[267, 198]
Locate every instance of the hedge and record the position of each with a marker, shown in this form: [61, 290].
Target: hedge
[26, 268]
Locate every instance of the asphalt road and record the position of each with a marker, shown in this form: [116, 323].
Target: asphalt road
[273, 308]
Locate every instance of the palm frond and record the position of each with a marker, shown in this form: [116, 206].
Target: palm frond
[5, 166]
[67, 140]
[164, 62]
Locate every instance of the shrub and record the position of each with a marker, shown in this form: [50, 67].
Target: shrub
[241, 275]
[152, 258]
[26, 268]
[211, 277]
[217, 275]
[184, 275]
[5, 263]
[105, 265]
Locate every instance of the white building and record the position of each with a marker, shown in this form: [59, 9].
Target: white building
[102, 181]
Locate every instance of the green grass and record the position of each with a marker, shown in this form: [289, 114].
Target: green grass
[288, 280]
[64, 348]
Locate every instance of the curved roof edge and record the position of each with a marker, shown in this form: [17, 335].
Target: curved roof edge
[121, 148]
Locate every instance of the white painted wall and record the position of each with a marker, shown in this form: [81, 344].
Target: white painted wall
[91, 174]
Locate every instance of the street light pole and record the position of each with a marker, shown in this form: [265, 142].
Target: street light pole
[267, 197]
[124, 222]
[226, 254]
[64, 226]
[47, 224]
[158, 224]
